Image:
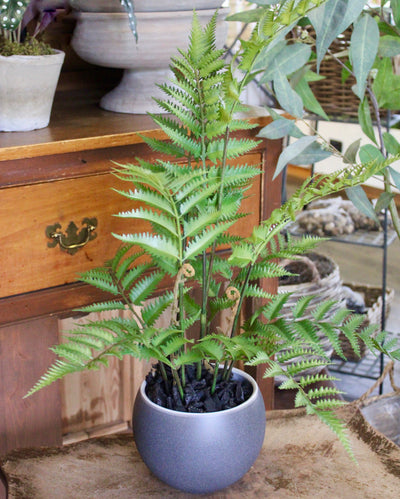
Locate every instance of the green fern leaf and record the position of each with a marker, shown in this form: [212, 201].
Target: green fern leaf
[133, 274]
[142, 214]
[201, 242]
[311, 379]
[101, 280]
[195, 225]
[235, 148]
[151, 198]
[102, 306]
[301, 306]
[155, 245]
[272, 310]
[143, 289]
[153, 310]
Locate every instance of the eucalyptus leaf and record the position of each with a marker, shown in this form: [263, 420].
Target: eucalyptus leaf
[292, 151]
[391, 144]
[364, 118]
[369, 153]
[327, 23]
[287, 60]
[363, 50]
[395, 176]
[286, 96]
[389, 46]
[309, 100]
[350, 155]
[395, 5]
[311, 154]
[360, 200]
[277, 129]
[383, 201]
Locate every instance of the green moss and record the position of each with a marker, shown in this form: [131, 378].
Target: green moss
[31, 46]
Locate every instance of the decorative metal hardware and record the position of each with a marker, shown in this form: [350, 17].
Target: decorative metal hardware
[72, 240]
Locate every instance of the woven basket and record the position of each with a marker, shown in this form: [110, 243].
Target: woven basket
[373, 302]
[336, 97]
[325, 288]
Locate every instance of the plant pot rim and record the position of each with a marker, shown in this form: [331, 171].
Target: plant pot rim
[40, 59]
[148, 16]
[181, 414]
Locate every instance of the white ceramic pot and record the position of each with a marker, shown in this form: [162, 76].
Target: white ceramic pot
[200, 453]
[144, 5]
[105, 39]
[27, 88]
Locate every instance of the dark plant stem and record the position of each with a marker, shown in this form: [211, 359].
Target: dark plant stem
[215, 377]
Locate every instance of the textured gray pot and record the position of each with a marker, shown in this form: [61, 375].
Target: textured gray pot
[200, 453]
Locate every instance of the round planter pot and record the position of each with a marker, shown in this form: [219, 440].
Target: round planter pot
[200, 453]
[27, 87]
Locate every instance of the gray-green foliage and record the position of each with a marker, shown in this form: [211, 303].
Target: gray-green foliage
[374, 42]
[190, 202]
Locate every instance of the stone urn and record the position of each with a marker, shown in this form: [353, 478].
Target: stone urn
[105, 39]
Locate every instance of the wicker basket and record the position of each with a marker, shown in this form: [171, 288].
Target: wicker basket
[337, 98]
[373, 302]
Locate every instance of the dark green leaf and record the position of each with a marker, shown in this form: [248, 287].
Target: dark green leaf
[363, 50]
[309, 100]
[364, 118]
[350, 155]
[383, 201]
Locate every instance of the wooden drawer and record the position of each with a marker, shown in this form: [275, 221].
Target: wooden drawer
[28, 263]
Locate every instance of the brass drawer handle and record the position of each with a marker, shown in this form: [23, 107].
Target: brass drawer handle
[73, 240]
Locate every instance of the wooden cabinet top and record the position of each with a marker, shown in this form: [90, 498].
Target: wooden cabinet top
[77, 124]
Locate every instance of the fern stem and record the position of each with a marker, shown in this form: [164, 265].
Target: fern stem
[215, 377]
[178, 384]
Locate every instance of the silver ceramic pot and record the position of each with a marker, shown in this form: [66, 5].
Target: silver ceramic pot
[200, 453]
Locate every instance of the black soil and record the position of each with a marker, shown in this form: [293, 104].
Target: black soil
[197, 392]
[303, 272]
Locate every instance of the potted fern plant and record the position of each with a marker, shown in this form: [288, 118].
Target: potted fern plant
[198, 421]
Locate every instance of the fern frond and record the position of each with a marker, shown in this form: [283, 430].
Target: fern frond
[311, 379]
[101, 279]
[235, 148]
[202, 241]
[153, 310]
[154, 244]
[143, 289]
[102, 306]
[150, 216]
[323, 391]
[149, 197]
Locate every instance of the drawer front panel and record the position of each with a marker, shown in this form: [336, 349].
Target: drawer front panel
[27, 263]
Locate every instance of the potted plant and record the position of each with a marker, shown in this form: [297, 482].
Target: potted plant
[29, 68]
[198, 422]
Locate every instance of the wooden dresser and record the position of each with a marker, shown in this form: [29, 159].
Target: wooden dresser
[58, 175]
